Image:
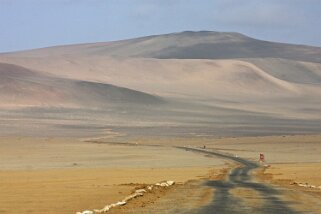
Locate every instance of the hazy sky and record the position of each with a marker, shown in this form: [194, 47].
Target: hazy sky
[26, 24]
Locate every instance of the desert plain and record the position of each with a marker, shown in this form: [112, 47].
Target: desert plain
[65, 175]
[83, 126]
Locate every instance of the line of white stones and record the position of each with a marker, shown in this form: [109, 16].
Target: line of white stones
[306, 185]
[137, 193]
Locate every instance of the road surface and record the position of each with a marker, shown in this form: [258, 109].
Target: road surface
[265, 200]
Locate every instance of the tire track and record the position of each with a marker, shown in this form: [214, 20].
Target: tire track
[240, 177]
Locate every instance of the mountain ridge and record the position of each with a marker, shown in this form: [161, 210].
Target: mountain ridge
[186, 45]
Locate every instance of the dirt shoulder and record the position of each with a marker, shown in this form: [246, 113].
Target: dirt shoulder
[290, 175]
[180, 198]
[304, 198]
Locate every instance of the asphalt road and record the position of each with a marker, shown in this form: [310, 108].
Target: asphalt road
[267, 196]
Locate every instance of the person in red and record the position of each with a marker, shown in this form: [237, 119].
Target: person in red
[262, 157]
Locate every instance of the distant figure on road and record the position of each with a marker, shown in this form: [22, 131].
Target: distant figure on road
[204, 147]
[262, 158]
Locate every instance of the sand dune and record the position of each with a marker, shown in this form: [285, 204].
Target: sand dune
[203, 78]
[242, 85]
[24, 87]
[289, 70]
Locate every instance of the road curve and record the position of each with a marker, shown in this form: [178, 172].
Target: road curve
[268, 197]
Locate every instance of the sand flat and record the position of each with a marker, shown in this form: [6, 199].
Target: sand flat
[50, 153]
[277, 149]
[50, 175]
[46, 175]
[71, 190]
[299, 172]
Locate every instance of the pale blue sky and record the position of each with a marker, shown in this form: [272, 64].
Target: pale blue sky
[26, 24]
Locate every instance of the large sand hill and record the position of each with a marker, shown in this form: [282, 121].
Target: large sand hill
[87, 89]
[108, 92]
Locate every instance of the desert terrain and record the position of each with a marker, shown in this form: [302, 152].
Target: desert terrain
[50, 175]
[65, 175]
[84, 125]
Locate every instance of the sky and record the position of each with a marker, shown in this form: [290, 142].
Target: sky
[28, 24]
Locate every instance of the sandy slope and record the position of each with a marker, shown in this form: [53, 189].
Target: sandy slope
[290, 70]
[275, 88]
[173, 77]
[23, 87]
[159, 92]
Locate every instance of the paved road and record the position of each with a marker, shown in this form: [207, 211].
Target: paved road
[267, 197]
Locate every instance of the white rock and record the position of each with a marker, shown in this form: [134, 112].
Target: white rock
[120, 203]
[164, 184]
[170, 183]
[130, 197]
[106, 208]
[150, 188]
[140, 191]
[85, 212]
[112, 205]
